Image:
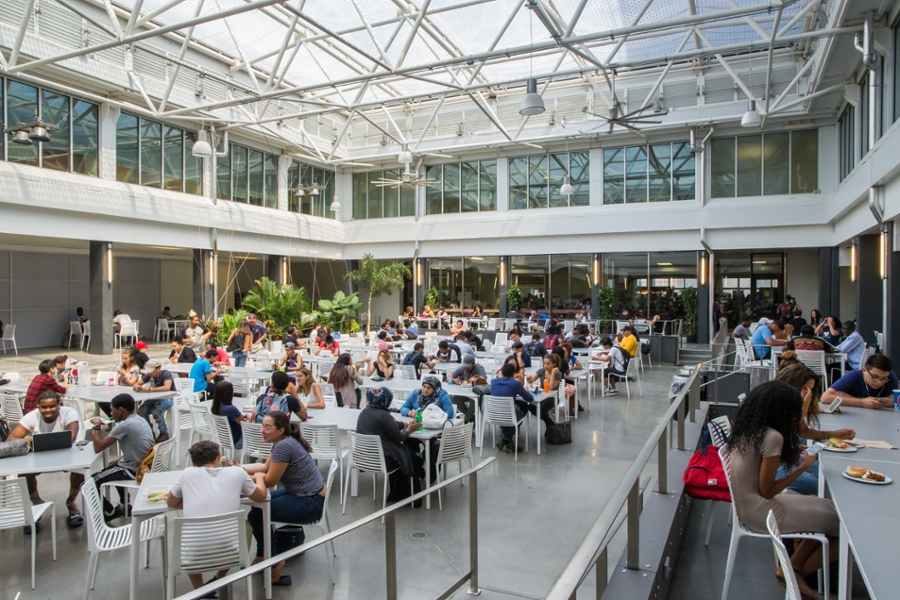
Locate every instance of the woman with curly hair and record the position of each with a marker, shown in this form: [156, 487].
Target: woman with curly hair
[765, 435]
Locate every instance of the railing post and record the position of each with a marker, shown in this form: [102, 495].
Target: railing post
[634, 528]
[600, 570]
[679, 444]
[662, 460]
[695, 394]
[390, 555]
[473, 536]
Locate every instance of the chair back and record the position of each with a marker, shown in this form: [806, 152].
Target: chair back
[104, 376]
[12, 410]
[400, 397]
[239, 381]
[814, 359]
[202, 420]
[719, 435]
[790, 579]
[869, 351]
[367, 453]
[332, 469]
[223, 435]
[85, 329]
[725, 456]
[501, 339]
[456, 443]
[164, 458]
[568, 325]
[74, 328]
[325, 366]
[97, 529]
[203, 544]
[77, 405]
[328, 394]
[183, 384]
[15, 507]
[500, 410]
[324, 439]
[9, 332]
[632, 370]
[276, 347]
[253, 442]
[404, 372]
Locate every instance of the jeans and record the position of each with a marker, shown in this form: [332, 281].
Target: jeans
[285, 508]
[158, 408]
[240, 358]
[808, 482]
[510, 432]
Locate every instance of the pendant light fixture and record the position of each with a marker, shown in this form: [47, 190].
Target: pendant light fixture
[532, 103]
[751, 117]
[201, 147]
[566, 188]
[335, 205]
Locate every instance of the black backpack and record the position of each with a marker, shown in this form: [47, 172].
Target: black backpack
[626, 358]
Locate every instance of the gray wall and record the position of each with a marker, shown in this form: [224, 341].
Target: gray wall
[803, 278]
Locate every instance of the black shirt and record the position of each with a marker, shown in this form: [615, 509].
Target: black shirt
[185, 356]
[416, 360]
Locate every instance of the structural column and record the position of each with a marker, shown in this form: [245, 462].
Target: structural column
[418, 284]
[829, 282]
[704, 298]
[869, 287]
[596, 278]
[204, 282]
[101, 298]
[278, 269]
[892, 292]
[503, 280]
[109, 115]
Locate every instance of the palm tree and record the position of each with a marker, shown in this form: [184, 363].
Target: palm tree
[375, 280]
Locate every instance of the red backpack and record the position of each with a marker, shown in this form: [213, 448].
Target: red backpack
[704, 477]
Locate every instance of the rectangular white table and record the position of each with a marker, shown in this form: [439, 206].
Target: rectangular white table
[76, 458]
[141, 511]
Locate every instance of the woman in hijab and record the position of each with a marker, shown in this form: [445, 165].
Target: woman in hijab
[430, 393]
[376, 420]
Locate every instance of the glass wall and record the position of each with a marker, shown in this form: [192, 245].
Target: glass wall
[749, 284]
[303, 175]
[371, 201]
[570, 280]
[243, 176]
[464, 187]
[534, 181]
[445, 274]
[481, 281]
[154, 155]
[772, 163]
[650, 284]
[847, 140]
[72, 147]
[531, 274]
[655, 173]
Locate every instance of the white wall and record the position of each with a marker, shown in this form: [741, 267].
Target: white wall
[385, 307]
[802, 280]
[176, 286]
[848, 296]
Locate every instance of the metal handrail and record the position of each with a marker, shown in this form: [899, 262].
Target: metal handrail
[593, 549]
[390, 542]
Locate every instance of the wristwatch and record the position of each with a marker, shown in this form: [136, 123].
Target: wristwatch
[97, 427]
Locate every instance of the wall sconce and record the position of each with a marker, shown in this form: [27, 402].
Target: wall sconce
[419, 272]
[883, 251]
[284, 270]
[595, 271]
[109, 264]
[703, 269]
[853, 260]
[502, 270]
[212, 268]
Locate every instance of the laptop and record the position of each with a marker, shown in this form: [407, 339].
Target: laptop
[58, 440]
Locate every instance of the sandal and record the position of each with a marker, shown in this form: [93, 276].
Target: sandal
[74, 519]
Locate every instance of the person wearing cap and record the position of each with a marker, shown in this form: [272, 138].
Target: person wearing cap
[135, 439]
[291, 361]
[629, 341]
[155, 379]
[259, 331]
[765, 336]
[468, 371]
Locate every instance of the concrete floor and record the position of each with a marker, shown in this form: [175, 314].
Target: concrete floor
[533, 514]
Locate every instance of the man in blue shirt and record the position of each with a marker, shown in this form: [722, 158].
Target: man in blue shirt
[411, 328]
[869, 387]
[203, 374]
[764, 337]
[853, 345]
[260, 333]
[508, 387]
[462, 342]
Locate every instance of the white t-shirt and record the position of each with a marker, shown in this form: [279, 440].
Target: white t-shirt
[122, 319]
[207, 492]
[33, 422]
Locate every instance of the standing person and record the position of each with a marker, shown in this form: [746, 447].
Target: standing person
[180, 352]
[155, 379]
[343, 376]
[301, 497]
[763, 437]
[854, 346]
[207, 489]
[786, 309]
[223, 406]
[260, 333]
[135, 439]
[45, 381]
[195, 334]
[239, 343]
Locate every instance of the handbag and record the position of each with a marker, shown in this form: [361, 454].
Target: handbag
[286, 537]
[433, 417]
[704, 477]
[236, 344]
[561, 434]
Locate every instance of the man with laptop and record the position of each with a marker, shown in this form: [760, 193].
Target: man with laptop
[52, 427]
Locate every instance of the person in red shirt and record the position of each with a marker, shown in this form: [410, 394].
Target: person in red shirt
[222, 359]
[328, 345]
[45, 381]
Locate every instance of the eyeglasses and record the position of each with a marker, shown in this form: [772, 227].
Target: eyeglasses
[878, 377]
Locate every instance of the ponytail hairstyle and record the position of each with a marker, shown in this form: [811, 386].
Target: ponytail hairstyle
[282, 421]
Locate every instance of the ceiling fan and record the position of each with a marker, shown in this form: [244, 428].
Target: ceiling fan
[407, 177]
[631, 120]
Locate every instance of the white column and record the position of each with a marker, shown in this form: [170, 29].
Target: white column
[284, 164]
[343, 187]
[596, 175]
[502, 184]
[109, 115]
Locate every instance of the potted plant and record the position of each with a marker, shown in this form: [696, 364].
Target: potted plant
[514, 298]
[606, 301]
[688, 299]
[374, 280]
[432, 297]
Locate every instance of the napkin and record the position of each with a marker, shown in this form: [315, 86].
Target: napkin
[873, 444]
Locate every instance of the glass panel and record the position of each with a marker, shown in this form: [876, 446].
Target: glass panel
[85, 138]
[360, 187]
[660, 161]
[55, 110]
[223, 175]
[172, 157]
[776, 155]
[580, 177]
[670, 272]
[323, 208]
[518, 183]
[749, 165]
[451, 188]
[446, 275]
[151, 154]
[804, 161]
[306, 179]
[434, 193]
[530, 274]
[722, 181]
[271, 181]
[255, 167]
[614, 176]
[538, 175]
[487, 194]
[21, 107]
[392, 195]
[481, 282]
[627, 274]
[408, 201]
[469, 189]
[683, 172]
[560, 296]
[294, 181]
[375, 196]
[558, 170]
[636, 174]
[239, 173]
[193, 166]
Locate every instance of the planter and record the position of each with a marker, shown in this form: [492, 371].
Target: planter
[691, 339]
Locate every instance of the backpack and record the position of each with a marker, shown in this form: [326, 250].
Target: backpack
[236, 344]
[626, 358]
[267, 403]
[409, 358]
[550, 341]
[704, 477]
[145, 465]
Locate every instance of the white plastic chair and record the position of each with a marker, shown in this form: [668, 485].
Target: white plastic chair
[631, 373]
[17, 511]
[787, 569]
[75, 330]
[328, 394]
[201, 419]
[456, 446]
[222, 432]
[323, 524]
[127, 330]
[9, 337]
[501, 410]
[648, 343]
[86, 336]
[11, 408]
[718, 435]
[814, 359]
[326, 445]
[367, 456]
[253, 446]
[183, 384]
[204, 544]
[239, 381]
[404, 372]
[103, 538]
[162, 330]
[502, 339]
[739, 530]
[163, 462]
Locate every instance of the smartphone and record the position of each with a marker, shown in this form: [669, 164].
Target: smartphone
[833, 406]
[815, 448]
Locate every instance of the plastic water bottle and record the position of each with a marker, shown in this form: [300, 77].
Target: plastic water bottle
[418, 416]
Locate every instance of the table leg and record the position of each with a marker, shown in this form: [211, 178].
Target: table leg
[845, 579]
[136, 521]
[478, 423]
[537, 424]
[428, 473]
[267, 541]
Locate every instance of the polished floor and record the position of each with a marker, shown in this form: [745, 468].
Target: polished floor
[533, 514]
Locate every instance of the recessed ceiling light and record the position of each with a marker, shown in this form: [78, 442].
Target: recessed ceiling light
[664, 264]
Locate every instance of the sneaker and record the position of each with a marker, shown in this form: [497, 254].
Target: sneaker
[504, 446]
[612, 392]
[74, 519]
[162, 437]
[118, 512]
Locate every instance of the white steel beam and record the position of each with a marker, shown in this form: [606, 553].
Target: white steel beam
[737, 80]
[692, 10]
[503, 28]
[665, 72]
[155, 13]
[803, 12]
[20, 35]
[114, 19]
[769, 64]
[623, 39]
[135, 13]
[489, 113]
[790, 86]
[394, 123]
[412, 35]
[428, 123]
[340, 138]
[237, 46]
[184, 46]
[753, 24]
[334, 37]
[379, 127]
[381, 52]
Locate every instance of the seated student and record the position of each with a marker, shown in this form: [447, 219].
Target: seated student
[507, 386]
[129, 372]
[629, 341]
[765, 336]
[469, 372]
[513, 360]
[416, 358]
[223, 406]
[291, 361]
[742, 331]
[45, 381]
[279, 398]
[181, 353]
[447, 352]
[222, 358]
[429, 393]
[830, 330]
[536, 347]
[51, 416]
[328, 346]
[61, 362]
[155, 379]
[869, 387]
[427, 313]
[135, 439]
[79, 316]
[462, 342]
[120, 319]
[854, 346]
[207, 489]
[807, 340]
[412, 331]
[291, 336]
[458, 328]
[476, 312]
[165, 314]
[513, 338]
[203, 374]
[301, 497]
[383, 366]
[381, 341]
[522, 359]
[615, 356]
[344, 377]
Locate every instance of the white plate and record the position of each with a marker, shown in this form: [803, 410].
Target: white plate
[850, 449]
[886, 481]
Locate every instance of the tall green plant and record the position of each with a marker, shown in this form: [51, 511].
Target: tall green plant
[229, 324]
[689, 301]
[432, 297]
[606, 301]
[514, 298]
[374, 280]
[339, 311]
[281, 304]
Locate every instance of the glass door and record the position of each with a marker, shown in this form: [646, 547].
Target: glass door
[767, 284]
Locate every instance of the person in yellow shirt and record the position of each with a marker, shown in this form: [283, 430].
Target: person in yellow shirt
[629, 341]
